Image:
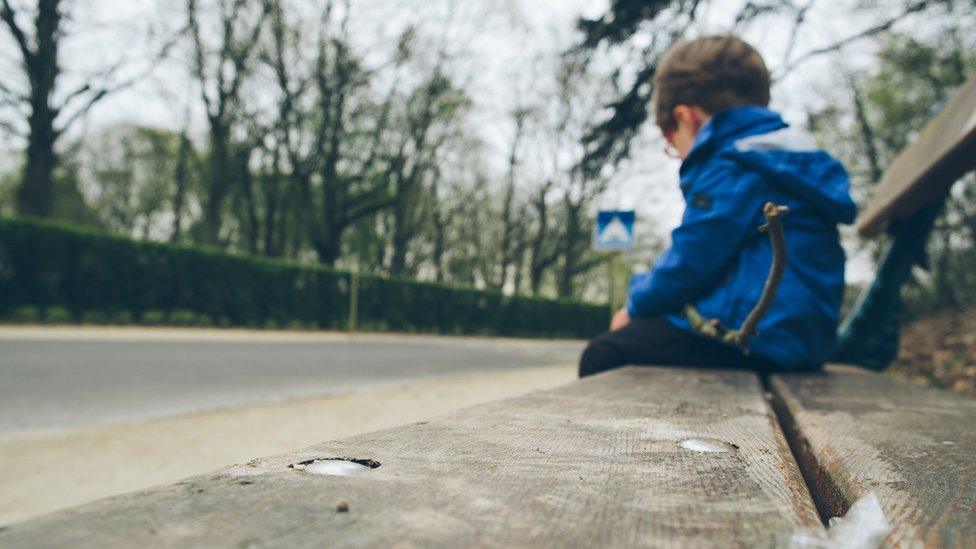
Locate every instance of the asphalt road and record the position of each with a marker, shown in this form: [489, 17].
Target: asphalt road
[52, 379]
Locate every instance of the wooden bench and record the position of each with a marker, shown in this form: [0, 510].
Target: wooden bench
[906, 202]
[596, 462]
[611, 460]
[855, 431]
[649, 456]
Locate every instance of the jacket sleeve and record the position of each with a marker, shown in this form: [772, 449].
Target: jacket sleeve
[723, 210]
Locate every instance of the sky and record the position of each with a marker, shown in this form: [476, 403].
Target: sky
[498, 44]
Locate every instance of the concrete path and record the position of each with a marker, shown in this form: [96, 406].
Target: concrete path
[54, 378]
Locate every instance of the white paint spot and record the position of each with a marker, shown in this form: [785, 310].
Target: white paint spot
[706, 445]
[336, 467]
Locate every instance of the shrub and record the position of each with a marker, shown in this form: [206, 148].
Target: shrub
[84, 275]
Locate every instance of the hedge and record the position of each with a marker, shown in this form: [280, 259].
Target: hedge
[50, 266]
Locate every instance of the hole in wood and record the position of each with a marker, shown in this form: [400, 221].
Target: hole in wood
[343, 467]
[704, 445]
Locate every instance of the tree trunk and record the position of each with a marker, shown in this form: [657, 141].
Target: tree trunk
[328, 246]
[539, 258]
[567, 275]
[179, 197]
[246, 181]
[35, 195]
[219, 182]
[867, 132]
[270, 212]
[402, 232]
[440, 241]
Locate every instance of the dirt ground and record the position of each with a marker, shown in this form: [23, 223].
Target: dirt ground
[940, 351]
[43, 473]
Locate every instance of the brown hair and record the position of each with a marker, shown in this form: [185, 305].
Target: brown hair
[712, 72]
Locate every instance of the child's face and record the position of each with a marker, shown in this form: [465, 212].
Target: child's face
[681, 134]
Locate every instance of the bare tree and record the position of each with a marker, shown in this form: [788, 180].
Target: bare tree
[221, 73]
[577, 97]
[337, 187]
[349, 150]
[510, 220]
[542, 251]
[433, 105]
[44, 110]
[181, 177]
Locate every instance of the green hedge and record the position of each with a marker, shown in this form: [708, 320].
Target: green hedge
[48, 266]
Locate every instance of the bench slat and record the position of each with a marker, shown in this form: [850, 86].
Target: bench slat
[596, 462]
[856, 431]
[944, 150]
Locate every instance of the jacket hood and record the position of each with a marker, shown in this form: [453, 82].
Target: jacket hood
[760, 139]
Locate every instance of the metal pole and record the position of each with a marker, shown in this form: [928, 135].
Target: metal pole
[611, 266]
[353, 300]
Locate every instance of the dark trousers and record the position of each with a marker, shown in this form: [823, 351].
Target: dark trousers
[654, 341]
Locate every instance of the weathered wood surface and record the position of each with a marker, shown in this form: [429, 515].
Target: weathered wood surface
[593, 463]
[856, 431]
[944, 150]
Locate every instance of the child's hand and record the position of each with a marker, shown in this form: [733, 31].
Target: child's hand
[620, 319]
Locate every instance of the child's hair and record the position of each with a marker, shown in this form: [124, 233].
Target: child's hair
[712, 72]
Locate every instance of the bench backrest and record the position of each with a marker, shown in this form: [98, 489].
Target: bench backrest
[944, 151]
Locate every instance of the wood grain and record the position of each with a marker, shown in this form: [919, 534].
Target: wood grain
[856, 431]
[596, 462]
[944, 150]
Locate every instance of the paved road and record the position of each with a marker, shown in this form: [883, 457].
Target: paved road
[63, 378]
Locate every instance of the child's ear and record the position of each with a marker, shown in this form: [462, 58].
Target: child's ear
[683, 115]
[690, 116]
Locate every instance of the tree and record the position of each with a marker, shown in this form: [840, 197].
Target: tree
[43, 109]
[578, 94]
[130, 173]
[543, 252]
[512, 233]
[348, 138]
[884, 109]
[221, 71]
[433, 105]
[658, 24]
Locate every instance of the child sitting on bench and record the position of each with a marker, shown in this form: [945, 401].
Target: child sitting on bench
[710, 101]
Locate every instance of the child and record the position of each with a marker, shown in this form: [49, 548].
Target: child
[710, 101]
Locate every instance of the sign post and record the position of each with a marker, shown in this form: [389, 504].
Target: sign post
[614, 232]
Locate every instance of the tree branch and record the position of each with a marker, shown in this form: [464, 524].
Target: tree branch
[11, 129]
[867, 130]
[774, 226]
[106, 74]
[83, 110]
[8, 15]
[241, 55]
[866, 33]
[801, 15]
[366, 209]
[9, 96]
[104, 91]
[712, 328]
[200, 68]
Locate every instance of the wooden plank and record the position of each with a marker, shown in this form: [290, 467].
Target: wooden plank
[594, 463]
[943, 151]
[855, 431]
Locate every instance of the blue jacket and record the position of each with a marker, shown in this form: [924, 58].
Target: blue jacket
[718, 261]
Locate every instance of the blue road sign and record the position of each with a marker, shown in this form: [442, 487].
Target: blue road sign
[614, 230]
